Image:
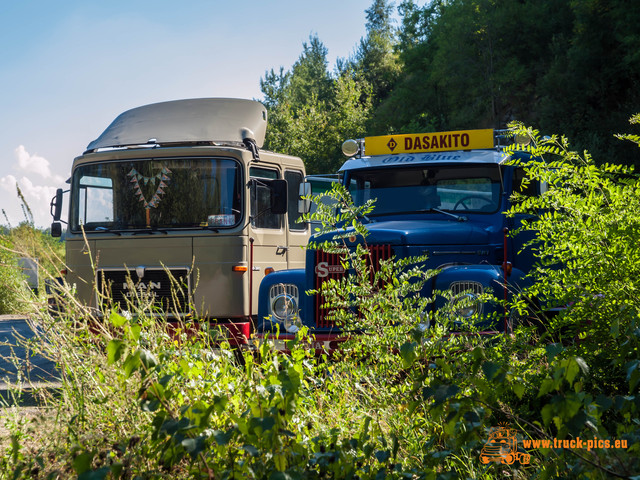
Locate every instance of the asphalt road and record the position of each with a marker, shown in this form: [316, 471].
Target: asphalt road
[14, 358]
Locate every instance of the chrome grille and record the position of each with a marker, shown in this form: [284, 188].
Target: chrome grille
[279, 289]
[472, 287]
[468, 287]
[169, 290]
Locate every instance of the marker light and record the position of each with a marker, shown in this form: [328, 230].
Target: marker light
[521, 139]
[350, 148]
[239, 268]
[508, 268]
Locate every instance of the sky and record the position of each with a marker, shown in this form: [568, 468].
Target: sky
[68, 68]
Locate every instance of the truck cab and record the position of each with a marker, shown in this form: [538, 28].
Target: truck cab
[178, 201]
[443, 195]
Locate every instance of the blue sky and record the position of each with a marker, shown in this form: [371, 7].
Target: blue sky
[68, 68]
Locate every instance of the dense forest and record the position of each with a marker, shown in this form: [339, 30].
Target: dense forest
[561, 65]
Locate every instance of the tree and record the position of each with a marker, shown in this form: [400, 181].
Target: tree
[375, 59]
[461, 65]
[311, 112]
[593, 83]
[309, 75]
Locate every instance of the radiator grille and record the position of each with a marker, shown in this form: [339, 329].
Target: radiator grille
[468, 287]
[279, 289]
[168, 290]
[472, 287]
[329, 266]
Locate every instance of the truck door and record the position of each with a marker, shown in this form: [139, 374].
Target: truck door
[523, 257]
[266, 228]
[297, 231]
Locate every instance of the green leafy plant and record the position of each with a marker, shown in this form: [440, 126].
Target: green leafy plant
[139, 400]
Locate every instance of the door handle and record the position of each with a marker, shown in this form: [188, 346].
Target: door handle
[281, 250]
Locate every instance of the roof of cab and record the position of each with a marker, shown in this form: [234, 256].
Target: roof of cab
[395, 160]
[217, 120]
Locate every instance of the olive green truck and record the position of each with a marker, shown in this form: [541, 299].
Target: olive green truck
[181, 194]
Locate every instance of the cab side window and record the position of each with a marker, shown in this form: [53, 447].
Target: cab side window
[521, 186]
[294, 179]
[261, 216]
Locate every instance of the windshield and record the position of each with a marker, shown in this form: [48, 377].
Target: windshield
[157, 193]
[459, 188]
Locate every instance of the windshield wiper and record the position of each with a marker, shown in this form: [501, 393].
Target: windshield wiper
[105, 229]
[149, 230]
[460, 218]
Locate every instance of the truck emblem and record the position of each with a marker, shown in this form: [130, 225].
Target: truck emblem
[143, 286]
[323, 269]
[392, 144]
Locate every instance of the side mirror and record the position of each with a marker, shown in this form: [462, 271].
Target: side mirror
[544, 187]
[56, 206]
[304, 204]
[56, 229]
[278, 196]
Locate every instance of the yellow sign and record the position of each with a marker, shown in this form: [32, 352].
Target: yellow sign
[429, 142]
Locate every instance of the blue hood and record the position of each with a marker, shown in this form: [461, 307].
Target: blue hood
[432, 232]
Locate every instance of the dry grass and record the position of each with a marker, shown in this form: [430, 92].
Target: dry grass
[36, 421]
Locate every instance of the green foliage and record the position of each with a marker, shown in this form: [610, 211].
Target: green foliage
[382, 300]
[25, 241]
[567, 66]
[315, 129]
[586, 244]
[139, 400]
[375, 59]
[12, 285]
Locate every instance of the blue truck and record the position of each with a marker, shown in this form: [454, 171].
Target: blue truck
[440, 195]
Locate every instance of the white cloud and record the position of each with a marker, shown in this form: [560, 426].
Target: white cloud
[32, 163]
[8, 183]
[37, 197]
[37, 194]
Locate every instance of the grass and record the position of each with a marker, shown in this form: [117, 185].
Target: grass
[137, 401]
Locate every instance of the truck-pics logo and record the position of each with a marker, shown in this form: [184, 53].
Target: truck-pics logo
[323, 269]
[502, 447]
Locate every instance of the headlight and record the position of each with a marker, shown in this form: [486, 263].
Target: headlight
[283, 305]
[465, 305]
[465, 300]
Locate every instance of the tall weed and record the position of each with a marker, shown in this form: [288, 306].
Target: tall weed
[139, 400]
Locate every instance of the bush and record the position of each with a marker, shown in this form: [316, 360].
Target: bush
[13, 288]
[140, 401]
[26, 241]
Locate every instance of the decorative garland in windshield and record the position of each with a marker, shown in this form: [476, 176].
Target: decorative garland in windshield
[161, 178]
